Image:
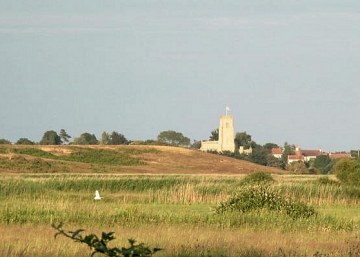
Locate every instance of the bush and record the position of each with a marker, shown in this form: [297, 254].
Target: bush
[4, 142]
[258, 177]
[348, 172]
[263, 197]
[100, 245]
[327, 181]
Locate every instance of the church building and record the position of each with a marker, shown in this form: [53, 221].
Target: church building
[226, 136]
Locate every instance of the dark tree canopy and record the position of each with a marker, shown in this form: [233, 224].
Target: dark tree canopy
[259, 155]
[322, 164]
[118, 139]
[171, 137]
[86, 139]
[348, 171]
[269, 146]
[288, 150]
[4, 142]
[50, 138]
[64, 136]
[214, 135]
[243, 139]
[24, 141]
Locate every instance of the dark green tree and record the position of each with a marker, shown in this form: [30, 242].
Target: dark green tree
[24, 141]
[288, 150]
[348, 171]
[321, 163]
[86, 139]
[50, 137]
[118, 139]
[196, 144]
[174, 138]
[243, 139]
[269, 146]
[214, 135]
[274, 162]
[64, 136]
[259, 155]
[4, 142]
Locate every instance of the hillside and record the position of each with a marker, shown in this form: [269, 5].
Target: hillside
[120, 159]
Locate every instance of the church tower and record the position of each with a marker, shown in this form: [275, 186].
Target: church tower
[226, 133]
[226, 136]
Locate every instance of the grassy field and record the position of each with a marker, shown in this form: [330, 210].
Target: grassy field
[174, 212]
[129, 159]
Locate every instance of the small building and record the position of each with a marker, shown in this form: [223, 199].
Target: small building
[311, 154]
[277, 152]
[340, 156]
[295, 158]
[304, 155]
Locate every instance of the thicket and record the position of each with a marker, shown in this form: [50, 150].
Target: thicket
[258, 177]
[264, 197]
[348, 172]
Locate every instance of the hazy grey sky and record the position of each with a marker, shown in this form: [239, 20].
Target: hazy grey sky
[289, 70]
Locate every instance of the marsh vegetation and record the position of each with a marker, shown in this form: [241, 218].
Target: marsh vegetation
[178, 213]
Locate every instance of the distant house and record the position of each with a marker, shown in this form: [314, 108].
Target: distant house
[277, 152]
[340, 156]
[311, 154]
[304, 155]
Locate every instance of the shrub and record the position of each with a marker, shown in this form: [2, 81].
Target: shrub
[327, 181]
[263, 197]
[257, 178]
[100, 245]
[348, 171]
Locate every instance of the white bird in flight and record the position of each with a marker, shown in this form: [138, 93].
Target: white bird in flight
[97, 195]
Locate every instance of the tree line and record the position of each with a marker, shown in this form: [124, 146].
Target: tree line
[51, 137]
[260, 154]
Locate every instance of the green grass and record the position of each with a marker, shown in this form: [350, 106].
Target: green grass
[89, 155]
[35, 160]
[168, 202]
[137, 200]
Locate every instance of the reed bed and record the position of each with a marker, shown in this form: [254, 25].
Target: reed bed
[163, 203]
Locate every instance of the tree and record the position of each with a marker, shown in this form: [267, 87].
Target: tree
[243, 139]
[50, 138]
[298, 167]
[4, 142]
[355, 153]
[86, 139]
[196, 144]
[321, 163]
[24, 141]
[288, 150]
[105, 138]
[272, 161]
[174, 138]
[259, 155]
[118, 139]
[64, 136]
[214, 135]
[269, 146]
[348, 171]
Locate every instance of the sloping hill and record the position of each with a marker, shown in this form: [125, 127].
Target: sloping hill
[120, 159]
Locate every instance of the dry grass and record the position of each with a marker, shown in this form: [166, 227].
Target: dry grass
[30, 241]
[165, 160]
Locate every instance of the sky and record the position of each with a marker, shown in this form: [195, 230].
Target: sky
[288, 69]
